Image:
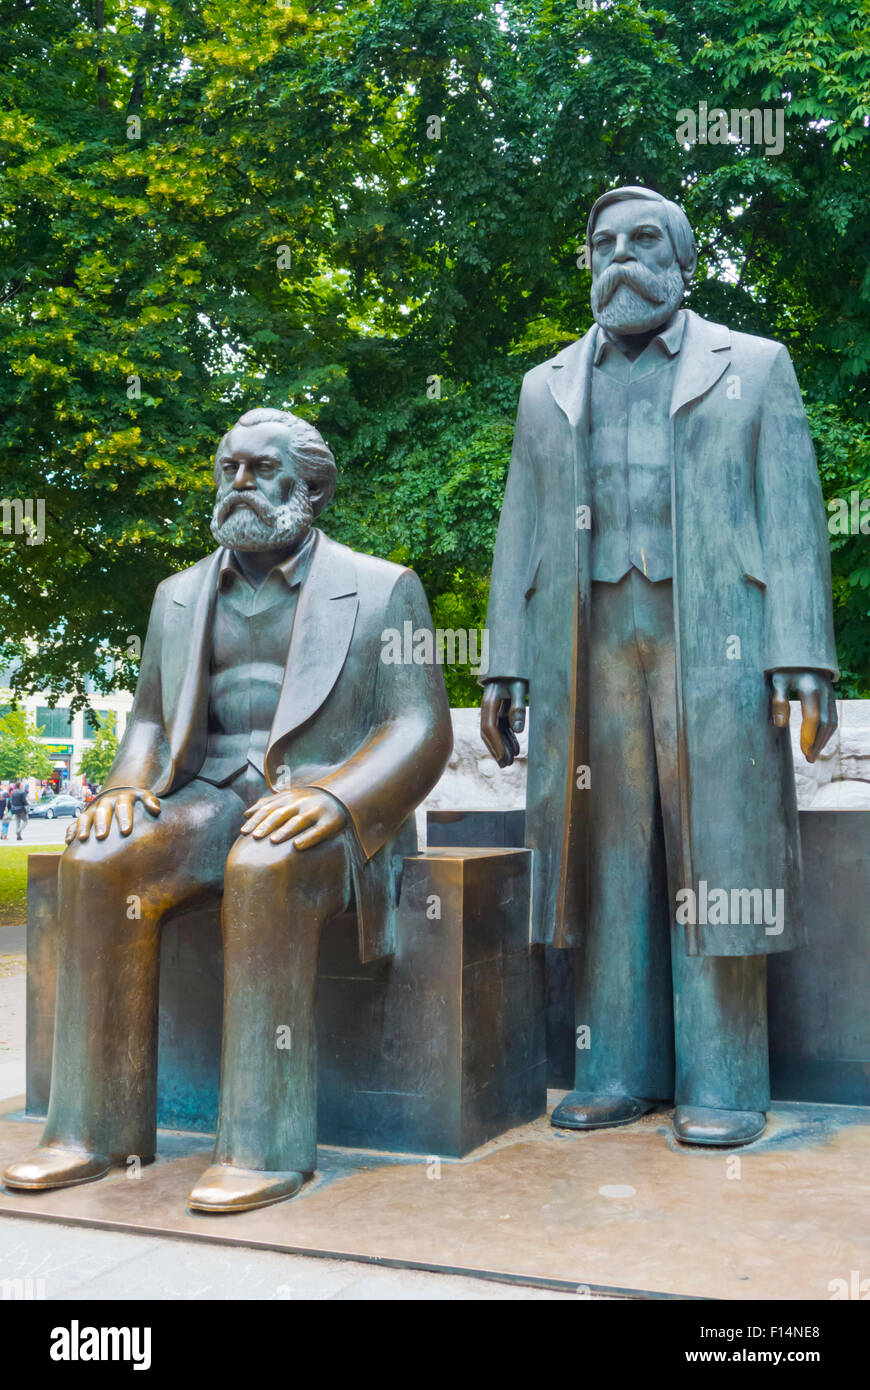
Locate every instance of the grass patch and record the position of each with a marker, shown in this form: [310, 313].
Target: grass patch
[13, 881]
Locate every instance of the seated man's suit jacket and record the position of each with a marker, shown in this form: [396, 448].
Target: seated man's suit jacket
[376, 736]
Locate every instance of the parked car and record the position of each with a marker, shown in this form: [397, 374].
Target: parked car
[62, 805]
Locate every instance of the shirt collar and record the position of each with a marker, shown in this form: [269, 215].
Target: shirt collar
[292, 570]
[669, 339]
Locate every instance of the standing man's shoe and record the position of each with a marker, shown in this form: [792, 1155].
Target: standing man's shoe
[701, 1124]
[223, 1188]
[586, 1110]
[50, 1166]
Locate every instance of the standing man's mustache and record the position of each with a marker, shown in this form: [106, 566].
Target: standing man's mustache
[644, 282]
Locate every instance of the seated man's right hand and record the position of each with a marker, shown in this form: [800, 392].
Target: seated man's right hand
[117, 802]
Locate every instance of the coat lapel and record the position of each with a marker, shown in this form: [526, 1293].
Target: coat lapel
[322, 630]
[571, 374]
[703, 357]
[185, 666]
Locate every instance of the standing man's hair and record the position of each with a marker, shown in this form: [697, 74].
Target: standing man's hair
[677, 223]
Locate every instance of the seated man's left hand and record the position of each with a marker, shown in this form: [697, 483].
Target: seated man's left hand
[306, 816]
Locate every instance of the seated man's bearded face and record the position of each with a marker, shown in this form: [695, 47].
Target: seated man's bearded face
[263, 502]
[637, 282]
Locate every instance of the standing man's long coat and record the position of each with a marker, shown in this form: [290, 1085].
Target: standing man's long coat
[751, 563]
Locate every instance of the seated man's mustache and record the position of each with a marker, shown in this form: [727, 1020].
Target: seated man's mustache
[644, 282]
[252, 500]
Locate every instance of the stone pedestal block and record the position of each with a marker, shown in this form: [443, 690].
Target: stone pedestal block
[435, 1050]
[818, 995]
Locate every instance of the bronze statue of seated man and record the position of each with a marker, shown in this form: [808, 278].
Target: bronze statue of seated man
[271, 754]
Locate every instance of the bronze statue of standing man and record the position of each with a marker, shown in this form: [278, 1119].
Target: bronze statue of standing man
[660, 587]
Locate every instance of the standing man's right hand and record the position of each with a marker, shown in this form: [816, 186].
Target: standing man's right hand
[502, 717]
[116, 801]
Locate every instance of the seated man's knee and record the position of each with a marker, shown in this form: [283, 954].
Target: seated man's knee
[101, 856]
[310, 871]
[114, 853]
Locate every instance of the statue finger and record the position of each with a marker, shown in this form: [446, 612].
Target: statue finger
[151, 803]
[287, 832]
[517, 713]
[272, 820]
[509, 738]
[321, 831]
[489, 708]
[827, 720]
[492, 739]
[124, 814]
[85, 824]
[811, 719]
[779, 704]
[822, 737]
[103, 819]
[256, 814]
[830, 718]
[299, 821]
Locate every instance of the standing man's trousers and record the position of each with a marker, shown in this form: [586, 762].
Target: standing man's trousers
[114, 895]
[663, 1025]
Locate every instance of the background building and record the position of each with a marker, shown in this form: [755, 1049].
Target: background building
[65, 735]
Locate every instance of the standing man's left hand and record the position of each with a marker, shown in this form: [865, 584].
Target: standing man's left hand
[815, 691]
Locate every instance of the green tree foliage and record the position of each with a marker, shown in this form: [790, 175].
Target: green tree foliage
[97, 759]
[370, 211]
[20, 753]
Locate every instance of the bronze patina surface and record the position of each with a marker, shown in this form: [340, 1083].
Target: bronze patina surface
[272, 756]
[433, 1050]
[660, 586]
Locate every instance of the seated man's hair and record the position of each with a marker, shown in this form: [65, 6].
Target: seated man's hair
[308, 449]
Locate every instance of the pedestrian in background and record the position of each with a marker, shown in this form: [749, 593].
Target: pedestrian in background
[18, 799]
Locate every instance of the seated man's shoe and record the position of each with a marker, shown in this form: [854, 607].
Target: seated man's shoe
[224, 1188]
[701, 1124]
[50, 1166]
[588, 1110]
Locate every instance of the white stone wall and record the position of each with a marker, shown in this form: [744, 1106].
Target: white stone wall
[839, 780]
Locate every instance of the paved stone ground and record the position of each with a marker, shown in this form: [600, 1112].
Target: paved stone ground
[78, 1263]
[75, 1263]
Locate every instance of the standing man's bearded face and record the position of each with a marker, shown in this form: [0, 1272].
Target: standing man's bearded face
[637, 282]
[263, 503]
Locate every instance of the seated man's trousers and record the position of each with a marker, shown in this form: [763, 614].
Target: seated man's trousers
[114, 895]
[662, 1025]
